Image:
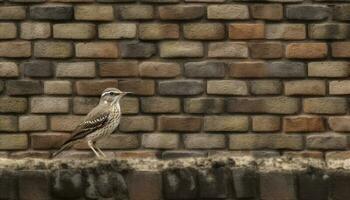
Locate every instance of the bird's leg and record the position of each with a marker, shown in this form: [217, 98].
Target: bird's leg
[91, 145]
[100, 151]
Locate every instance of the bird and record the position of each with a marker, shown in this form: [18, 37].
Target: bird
[100, 122]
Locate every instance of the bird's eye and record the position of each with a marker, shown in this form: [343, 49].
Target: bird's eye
[111, 93]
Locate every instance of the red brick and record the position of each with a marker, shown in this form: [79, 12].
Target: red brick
[306, 50]
[118, 69]
[138, 87]
[303, 124]
[266, 50]
[340, 49]
[246, 31]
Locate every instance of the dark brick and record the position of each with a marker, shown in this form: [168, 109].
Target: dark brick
[138, 87]
[267, 50]
[339, 189]
[8, 123]
[244, 183]
[2, 86]
[51, 12]
[180, 123]
[313, 186]
[307, 12]
[205, 69]
[34, 185]
[342, 12]
[181, 12]
[204, 105]
[214, 183]
[181, 87]
[144, 185]
[23, 87]
[8, 185]
[183, 154]
[277, 185]
[180, 184]
[137, 49]
[329, 31]
[326, 142]
[111, 184]
[38, 69]
[13, 105]
[67, 184]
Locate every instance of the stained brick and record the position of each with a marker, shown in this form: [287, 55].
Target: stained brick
[326, 105]
[228, 49]
[13, 105]
[13, 141]
[50, 49]
[180, 123]
[204, 141]
[341, 12]
[262, 87]
[160, 105]
[339, 124]
[97, 50]
[339, 87]
[278, 185]
[231, 11]
[326, 142]
[15, 49]
[74, 31]
[133, 12]
[180, 49]
[181, 12]
[273, 105]
[41, 141]
[303, 124]
[153, 31]
[204, 105]
[306, 50]
[34, 184]
[340, 49]
[267, 11]
[144, 185]
[44, 105]
[8, 123]
[305, 87]
[137, 124]
[64, 122]
[83, 105]
[129, 105]
[187, 187]
[51, 12]
[159, 69]
[23, 87]
[38, 68]
[57, 87]
[205, 69]
[118, 69]
[137, 49]
[12, 12]
[285, 31]
[204, 31]
[226, 123]
[328, 69]
[307, 12]
[181, 87]
[32, 123]
[94, 88]
[35, 30]
[214, 183]
[75, 70]
[8, 30]
[9, 69]
[266, 123]
[160, 141]
[227, 87]
[138, 87]
[246, 31]
[94, 12]
[329, 31]
[266, 50]
[117, 31]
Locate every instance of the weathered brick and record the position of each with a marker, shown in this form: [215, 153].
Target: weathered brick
[313, 185]
[339, 124]
[35, 30]
[64, 122]
[75, 70]
[303, 124]
[204, 141]
[94, 12]
[305, 87]
[74, 31]
[29, 154]
[8, 30]
[341, 12]
[51, 12]
[137, 49]
[41, 141]
[228, 11]
[13, 105]
[180, 123]
[154, 31]
[329, 31]
[228, 49]
[185, 189]
[15, 49]
[97, 50]
[8, 184]
[204, 31]
[226, 123]
[9, 69]
[83, 105]
[306, 50]
[181, 12]
[129, 105]
[119, 69]
[2, 86]
[137, 124]
[267, 11]
[117, 31]
[246, 31]
[278, 185]
[328, 142]
[50, 49]
[8, 123]
[340, 49]
[95, 87]
[273, 105]
[204, 105]
[328, 69]
[262, 87]
[326, 105]
[57, 87]
[214, 183]
[180, 87]
[23, 87]
[266, 50]
[32, 123]
[285, 31]
[160, 105]
[266, 123]
[33, 184]
[160, 141]
[339, 87]
[183, 154]
[144, 185]
[12, 12]
[245, 183]
[138, 87]
[159, 69]
[45, 105]
[307, 12]
[265, 141]
[160, 1]
[170, 49]
[38, 68]
[134, 12]
[116, 141]
[205, 69]
[13, 141]
[227, 87]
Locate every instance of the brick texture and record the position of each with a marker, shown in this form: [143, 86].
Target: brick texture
[218, 75]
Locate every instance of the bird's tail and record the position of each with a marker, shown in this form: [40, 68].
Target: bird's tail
[62, 148]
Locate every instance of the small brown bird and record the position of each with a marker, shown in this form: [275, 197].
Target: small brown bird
[98, 123]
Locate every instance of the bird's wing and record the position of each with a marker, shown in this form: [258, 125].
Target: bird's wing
[96, 118]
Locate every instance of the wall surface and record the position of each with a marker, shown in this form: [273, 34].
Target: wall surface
[207, 75]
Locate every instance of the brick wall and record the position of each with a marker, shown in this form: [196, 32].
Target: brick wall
[208, 75]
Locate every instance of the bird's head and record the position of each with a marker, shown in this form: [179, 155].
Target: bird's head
[112, 95]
